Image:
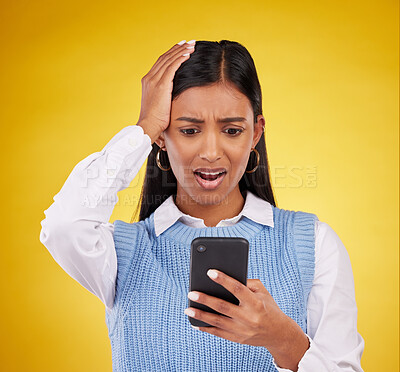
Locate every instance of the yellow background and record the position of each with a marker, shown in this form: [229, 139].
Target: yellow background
[70, 77]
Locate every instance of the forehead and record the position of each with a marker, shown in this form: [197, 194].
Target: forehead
[220, 99]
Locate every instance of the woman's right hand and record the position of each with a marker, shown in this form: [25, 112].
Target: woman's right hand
[157, 87]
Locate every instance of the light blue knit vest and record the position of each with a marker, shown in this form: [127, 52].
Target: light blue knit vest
[147, 326]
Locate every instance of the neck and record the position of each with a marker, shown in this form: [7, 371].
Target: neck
[229, 207]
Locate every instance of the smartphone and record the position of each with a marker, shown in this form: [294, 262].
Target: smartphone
[227, 254]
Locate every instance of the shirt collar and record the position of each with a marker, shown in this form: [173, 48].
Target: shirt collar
[255, 208]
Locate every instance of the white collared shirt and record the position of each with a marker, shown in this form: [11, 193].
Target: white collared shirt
[254, 208]
[79, 236]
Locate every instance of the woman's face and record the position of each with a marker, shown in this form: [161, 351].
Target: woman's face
[205, 142]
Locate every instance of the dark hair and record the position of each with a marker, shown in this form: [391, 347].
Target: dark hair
[211, 62]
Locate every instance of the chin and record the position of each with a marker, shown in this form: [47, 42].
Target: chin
[209, 197]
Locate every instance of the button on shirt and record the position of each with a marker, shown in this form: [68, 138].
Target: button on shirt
[79, 237]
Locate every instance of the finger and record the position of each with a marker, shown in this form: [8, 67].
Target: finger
[170, 66]
[166, 59]
[217, 304]
[220, 333]
[219, 321]
[161, 59]
[255, 285]
[238, 289]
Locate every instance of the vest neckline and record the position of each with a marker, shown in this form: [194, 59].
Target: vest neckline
[179, 231]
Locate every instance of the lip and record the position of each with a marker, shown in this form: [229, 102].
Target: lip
[209, 185]
[211, 170]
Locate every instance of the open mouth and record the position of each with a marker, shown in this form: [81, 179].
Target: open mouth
[209, 180]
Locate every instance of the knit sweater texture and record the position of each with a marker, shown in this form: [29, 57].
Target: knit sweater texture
[147, 326]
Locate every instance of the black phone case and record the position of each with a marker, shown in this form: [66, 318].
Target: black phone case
[227, 254]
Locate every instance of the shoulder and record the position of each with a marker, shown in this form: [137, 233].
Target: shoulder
[328, 244]
[299, 220]
[128, 230]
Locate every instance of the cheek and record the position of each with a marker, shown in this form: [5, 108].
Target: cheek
[180, 157]
[239, 156]
[238, 163]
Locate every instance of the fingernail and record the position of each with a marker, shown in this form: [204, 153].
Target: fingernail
[193, 296]
[194, 327]
[181, 42]
[212, 274]
[191, 42]
[189, 312]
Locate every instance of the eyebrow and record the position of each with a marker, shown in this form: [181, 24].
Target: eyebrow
[222, 120]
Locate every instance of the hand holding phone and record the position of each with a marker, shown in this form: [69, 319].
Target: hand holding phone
[227, 254]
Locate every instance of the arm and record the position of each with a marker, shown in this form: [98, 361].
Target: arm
[76, 230]
[335, 344]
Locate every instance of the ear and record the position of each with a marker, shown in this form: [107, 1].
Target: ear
[258, 130]
[160, 141]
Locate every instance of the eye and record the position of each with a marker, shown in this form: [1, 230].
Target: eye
[237, 131]
[183, 131]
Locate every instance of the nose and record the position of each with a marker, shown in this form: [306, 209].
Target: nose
[211, 149]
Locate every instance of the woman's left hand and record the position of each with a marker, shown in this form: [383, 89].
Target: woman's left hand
[257, 320]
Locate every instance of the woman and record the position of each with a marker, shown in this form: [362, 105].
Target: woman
[201, 127]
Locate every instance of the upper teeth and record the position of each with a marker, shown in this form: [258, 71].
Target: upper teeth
[209, 173]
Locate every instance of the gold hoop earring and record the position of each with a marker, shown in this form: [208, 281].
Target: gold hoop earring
[159, 163]
[258, 161]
